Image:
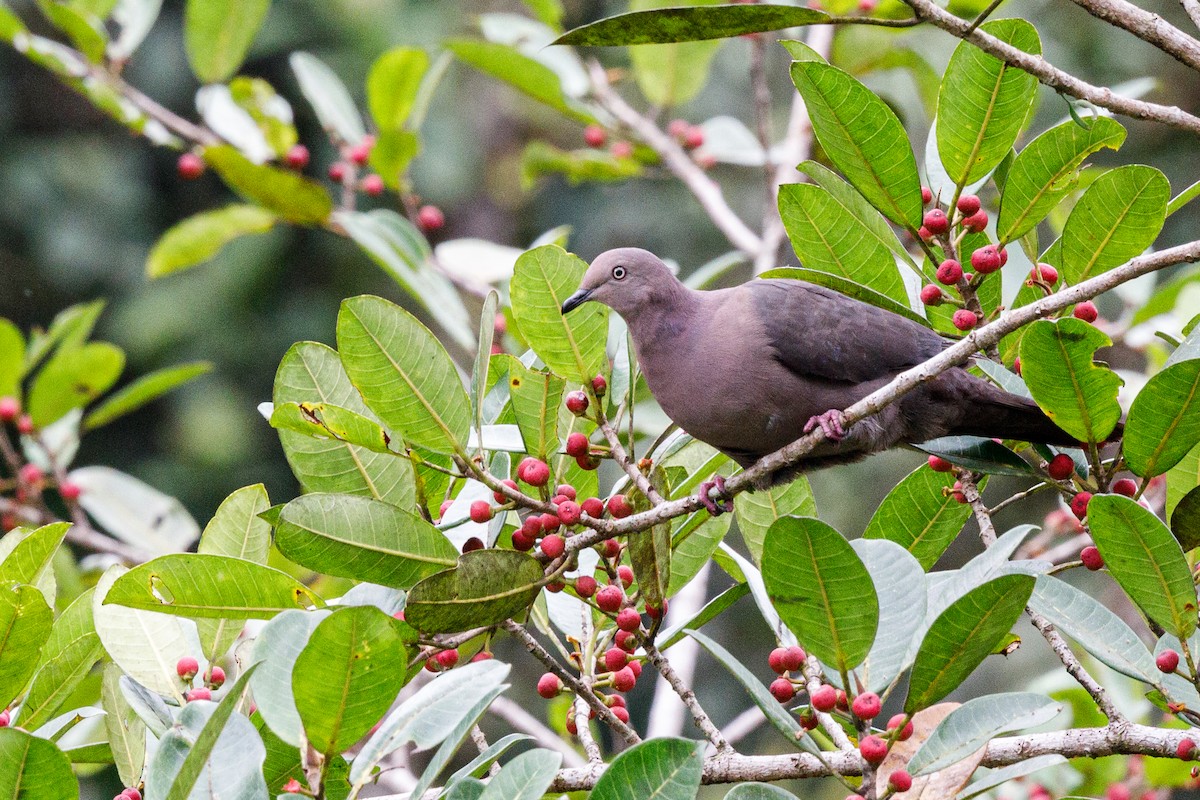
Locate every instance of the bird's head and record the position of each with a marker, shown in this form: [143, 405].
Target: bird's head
[626, 280]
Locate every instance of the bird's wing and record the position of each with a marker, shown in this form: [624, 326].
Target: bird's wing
[817, 333]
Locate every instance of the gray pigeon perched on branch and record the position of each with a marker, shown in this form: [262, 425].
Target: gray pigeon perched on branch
[753, 368]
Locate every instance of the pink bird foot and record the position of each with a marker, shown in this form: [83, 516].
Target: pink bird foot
[714, 508]
[832, 422]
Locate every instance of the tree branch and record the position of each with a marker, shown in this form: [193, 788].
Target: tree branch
[1146, 26]
[1192, 7]
[699, 715]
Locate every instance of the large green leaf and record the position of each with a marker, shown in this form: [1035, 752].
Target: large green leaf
[526, 777]
[143, 390]
[125, 729]
[28, 559]
[285, 192]
[403, 374]
[25, 624]
[67, 657]
[209, 586]
[329, 98]
[847, 287]
[1047, 169]
[863, 138]
[920, 515]
[1079, 395]
[536, 397]
[984, 102]
[821, 589]
[689, 24]
[963, 635]
[976, 722]
[362, 660]
[313, 372]
[12, 359]
[1145, 559]
[1117, 218]
[757, 511]
[663, 769]
[32, 768]
[574, 345]
[201, 236]
[73, 378]
[1164, 420]
[217, 34]
[525, 74]
[487, 587]
[360, 538]
[827, 237]
[671, 74]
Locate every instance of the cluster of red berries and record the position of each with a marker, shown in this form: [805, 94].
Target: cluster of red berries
[968, 217]
[187, 669]
[31, 481]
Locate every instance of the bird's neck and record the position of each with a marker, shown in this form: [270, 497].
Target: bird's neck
[660, 322]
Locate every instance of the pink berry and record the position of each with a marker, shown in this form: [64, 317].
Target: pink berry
[599, 386]
[782, 690]
[447, 658]
[132, 793]
[610, 598]
[361, 151]
[678, 128]
[636, 666]
[292, 786]
[626, 640]
[936, 221]
[553, 545]
[656, 612]
[694, 137]
[986, 259]
[866, 705]
[957, 493]
[373, 185]
[1186, 749]
[481, 511]
[594, 136]
[198, 694]
[577, 444]
[549, 685]
[621, 150]
[931, 295]
[566, 490]
[628, 619]
[588, 462]
[964, 319]
[619, 507]
[977, 222]
[571, 726]
[1091, 558]
[615, 658]
[900, 781]
[873, 749]
[577, 403]
[585, 586]
[501, 497]
[624, 679]
[338, 171]
[926, 195]
[430, 218]
[1079, 504]
[297, 156]
[939, 464]
[1003, 253]
[1125, 486]
[621, 713]
[775, 659]
[901, 720]
[482, 655]
[610, 548]
[968, 204]
[216, 677]
[534, 471]
[1167, 661]
[550, 522]
[187, 667]
[190, 166]
[593, 507]
[1044, 273]
[924, 234]
[1086, 311]
[5, 718]
[523, 541]
[793, 658]
[30, 474]
[1117, 791]
[949, 272]
[569, 512]
[625, 575]
[1060, 467]
[824, 698]
[1017, 365]
[10, 407]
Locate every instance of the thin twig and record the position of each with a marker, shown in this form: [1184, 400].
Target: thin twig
[812, 681]
[617, 450]
[699, 715]
[666, 716]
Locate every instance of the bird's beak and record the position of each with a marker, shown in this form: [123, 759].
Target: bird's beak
[576, 300]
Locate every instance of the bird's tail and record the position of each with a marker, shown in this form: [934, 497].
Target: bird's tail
[1000, 414]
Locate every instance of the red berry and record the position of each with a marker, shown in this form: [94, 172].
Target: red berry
[1003, 256]
[986, 259]
[131, 793]
[472, 544]
[30, 474]
[1086, 311]
[1125, 486]
[10, 407]
[900, 781]
[898, 720]
[626, 640]
[1091, 558]
[569, 512]
[190, 166]
[625, 574]
[964, 319]
[624, 679]
[794, 658]
[610, 598]
[924, 233]
[447, 658]
[656, 612]
[585, 586]
[867, 6]
[1167, 661]
[1117, 791]
[628, 619]
[187, 667]
[694, 137]
[292, 786]
[373, 185]
[621, 150]
[549, 685]
[873, 749]
[1186, 749]
[216, 677]
[198, 694]
[523, 541]
[361, 151]
[678, 128]
[619, 507]
[867, 705]
[577, 402]
[482, 655]
[566, 490]
[1079, 504]
[595, 136]
[577, 445]
[949, 272]
[957, 492]
[926, 195]
[481, 511]
[782, 690]
[593, 507]
[824, 698]
[615, 658]
[968, 204]
[1061, 467]
[532, 526]
[599, 386]
[5, 718]
[338, 171]
[501, 497]
[550, 522]
[775, 659]
[936, 221]
[636, 666]
[533, 471]
[444, 507]
[977, 222]
[1044, 273]
[430, 218]
[939, 464]
[588, 462]
[570, 724]
[621, 713]
[553, 545]
[1017, 365]
[610, 548]
[931, 295]
[297, 156]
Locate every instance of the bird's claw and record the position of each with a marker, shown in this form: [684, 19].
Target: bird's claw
[714, 508]
[832, 422]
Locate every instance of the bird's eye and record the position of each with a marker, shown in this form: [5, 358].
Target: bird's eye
[618, 272]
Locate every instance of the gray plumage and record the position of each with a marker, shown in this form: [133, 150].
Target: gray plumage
[750, 368]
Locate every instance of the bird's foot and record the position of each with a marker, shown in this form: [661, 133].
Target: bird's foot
[714, 508]
[832, 422]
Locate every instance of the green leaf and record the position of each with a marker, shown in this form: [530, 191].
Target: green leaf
[70, 651]
[403, 374]
[525, 74]
[536, 398]
[757, 511]
[821, 589]
[978, 454]
[1185, 520]
[1003, 775]
[978, 721]
[1117, 218]
[828, 238]
[201, 236]
[70, 328]
[391, 155]
[271, 114]
[1145, 559]
[10, 24]
[663, 769]
[313, 372]
[143, 390]
[671, 74]
[360, 538]
[327, 420]
[689, 24]
[1164, 420]
[362, 661]
[392, 86]
[217, 35]
[920, 515]
[984, 102]
[1182, 478]
[1098, 630]
[577, 166]
[963, 635]
[12, 359]
[126, 731]
[1079, 395]
[455, 738]
[209, 586]
[863, 138]
[29, 558]
[276, 649]
[329, 98]
[284, 192]
[486, 588]
[84, 28]
[25, 623]
[74, 377]
[572, 346]
[32, 768]
[526, 777]
[848, 288]
[1047, 169]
